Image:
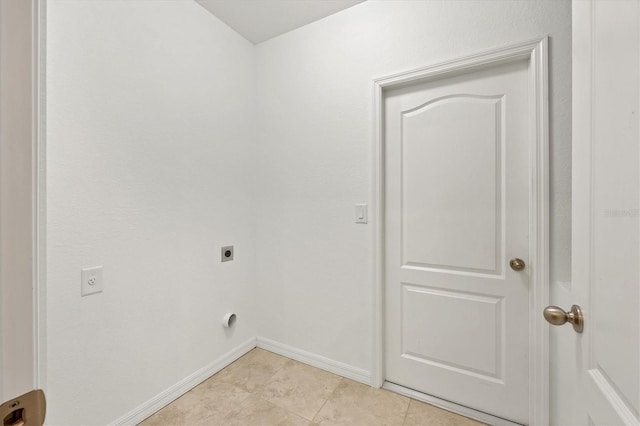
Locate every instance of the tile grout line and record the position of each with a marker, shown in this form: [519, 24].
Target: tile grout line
[249, 394]
[327, 399]
[406, 413]
[275, 371]
[259, 391]
[238, 405]
[320, 409]
[282, 408]
[260, 395]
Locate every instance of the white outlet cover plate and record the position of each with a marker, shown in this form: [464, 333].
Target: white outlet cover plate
[91, 281]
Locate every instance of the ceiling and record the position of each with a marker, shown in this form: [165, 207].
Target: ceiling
[260, 20]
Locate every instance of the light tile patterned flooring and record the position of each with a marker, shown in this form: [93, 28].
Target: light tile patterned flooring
[263, 388]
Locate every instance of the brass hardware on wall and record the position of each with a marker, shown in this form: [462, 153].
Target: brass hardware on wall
[26, 410]
[557, 316]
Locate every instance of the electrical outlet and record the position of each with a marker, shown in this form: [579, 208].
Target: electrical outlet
[91, 281]
[226, 253]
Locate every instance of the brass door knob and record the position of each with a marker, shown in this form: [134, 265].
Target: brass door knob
[557, 316]
[517, 264]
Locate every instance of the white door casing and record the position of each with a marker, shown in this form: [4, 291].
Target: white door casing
[425, 296]
[599, 371]
[21, 308]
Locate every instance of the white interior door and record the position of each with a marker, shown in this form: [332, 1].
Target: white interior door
[598, 371]
[17, 247]
[457, 193]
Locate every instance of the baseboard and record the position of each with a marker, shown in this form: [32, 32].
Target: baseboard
[336, 367]
[174, 392]
[164, 398]
[449, 406]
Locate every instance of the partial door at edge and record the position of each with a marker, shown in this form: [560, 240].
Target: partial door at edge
[596, 380]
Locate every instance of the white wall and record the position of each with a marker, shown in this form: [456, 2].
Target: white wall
[149, 134]
[152, 157]
[315, 145]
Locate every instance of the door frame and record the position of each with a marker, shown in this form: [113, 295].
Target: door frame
[40, 196]
[27, 369]
[536, 51]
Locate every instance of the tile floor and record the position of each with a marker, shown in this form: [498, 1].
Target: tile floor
[263, 388]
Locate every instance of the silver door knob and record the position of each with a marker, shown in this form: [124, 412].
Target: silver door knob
[557, 316]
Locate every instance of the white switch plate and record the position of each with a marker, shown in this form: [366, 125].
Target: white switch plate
[361, 213]
[91, 280]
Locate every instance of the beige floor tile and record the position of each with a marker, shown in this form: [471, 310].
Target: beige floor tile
[256, 411]
[353, 403]
[265, 389]
[425, 414]
[207, 404]
[253, 370]
[300, 388]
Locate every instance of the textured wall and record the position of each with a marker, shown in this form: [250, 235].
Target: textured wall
[315, 124]
[150, 128]
[153, 164]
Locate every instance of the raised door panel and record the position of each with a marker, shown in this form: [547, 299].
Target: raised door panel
[465, 320]
[451, 184]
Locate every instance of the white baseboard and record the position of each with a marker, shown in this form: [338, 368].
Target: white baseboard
[169, 395]
[336, 367]
[449, 406]
[174, 392]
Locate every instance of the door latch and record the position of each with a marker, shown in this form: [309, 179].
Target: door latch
[26, 410]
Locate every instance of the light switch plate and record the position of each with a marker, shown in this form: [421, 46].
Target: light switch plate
[91, 281]
[361, 213]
